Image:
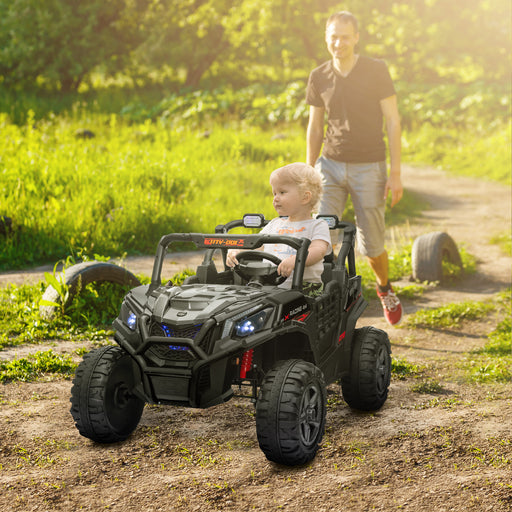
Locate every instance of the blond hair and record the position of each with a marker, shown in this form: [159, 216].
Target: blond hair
[305, 177]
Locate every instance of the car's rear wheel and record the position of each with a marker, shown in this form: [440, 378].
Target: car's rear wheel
[366, 386]
[103, 404]
[290, 412]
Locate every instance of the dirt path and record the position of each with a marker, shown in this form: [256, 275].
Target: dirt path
[450, 450]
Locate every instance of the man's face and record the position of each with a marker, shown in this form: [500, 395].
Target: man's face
[341, 39]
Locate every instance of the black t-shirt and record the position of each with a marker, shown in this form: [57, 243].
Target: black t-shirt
[354, 116]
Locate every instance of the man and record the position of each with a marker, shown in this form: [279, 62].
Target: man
[357, 93]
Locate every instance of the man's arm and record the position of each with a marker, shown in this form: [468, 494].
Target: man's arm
[394, 183]
[315, 134]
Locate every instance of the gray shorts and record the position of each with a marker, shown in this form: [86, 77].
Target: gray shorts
[365, 182]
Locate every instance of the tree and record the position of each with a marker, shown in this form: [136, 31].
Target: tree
[59, 42]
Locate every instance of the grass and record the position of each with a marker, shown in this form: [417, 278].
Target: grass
[429, 386]
[504, 241]
[488, 364]
[401, 368]
[462, 151]
[37, 366]
[493, 362]
[449, 315]
[139, 178]
[123, 189]
[21, 323]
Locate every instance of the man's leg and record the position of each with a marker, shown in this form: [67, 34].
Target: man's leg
[367, 183]
[390, 302]
[379, 266]
[335, 193]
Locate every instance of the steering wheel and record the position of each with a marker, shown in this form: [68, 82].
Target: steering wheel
[264, 273]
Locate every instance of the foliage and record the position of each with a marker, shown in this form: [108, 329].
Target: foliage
[401, 368]
[504, 240]
[96, 305]
[491, 370]
[88, 316]
[36, 366]
[212, 43]
[500, 340]
[493, 361]
[441, 41]
[428, 386]
[475, 152]
[400, 265]
[449, 315]
[123, 189]
[58, 42]
[21, 323]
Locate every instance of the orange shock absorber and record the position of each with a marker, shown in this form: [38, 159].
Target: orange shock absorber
[246, 364]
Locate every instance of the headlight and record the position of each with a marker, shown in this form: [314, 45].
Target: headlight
[131, 321]
[251, 324]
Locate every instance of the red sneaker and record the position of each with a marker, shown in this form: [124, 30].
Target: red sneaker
[391, 306]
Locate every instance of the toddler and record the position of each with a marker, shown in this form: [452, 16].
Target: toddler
[297, 189]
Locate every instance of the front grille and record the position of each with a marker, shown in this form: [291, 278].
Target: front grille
[176, 352]
[172, 353]
[190, 332]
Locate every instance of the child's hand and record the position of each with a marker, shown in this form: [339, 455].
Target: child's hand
[231, 260]
[286, 266]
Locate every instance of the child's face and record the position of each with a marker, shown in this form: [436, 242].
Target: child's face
[288, 198]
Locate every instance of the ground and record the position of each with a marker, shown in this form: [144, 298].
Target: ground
[447, 450]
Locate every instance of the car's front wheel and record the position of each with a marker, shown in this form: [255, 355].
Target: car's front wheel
[103, 404]
[290, 412]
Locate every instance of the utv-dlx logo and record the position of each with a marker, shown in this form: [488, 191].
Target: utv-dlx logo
[224, 242]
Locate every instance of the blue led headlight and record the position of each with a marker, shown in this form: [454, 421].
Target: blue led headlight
[251, 324]
[131, 321]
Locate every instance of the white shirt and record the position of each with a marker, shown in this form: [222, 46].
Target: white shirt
[313, 229]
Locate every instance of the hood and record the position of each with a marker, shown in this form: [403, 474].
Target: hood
[196, 303]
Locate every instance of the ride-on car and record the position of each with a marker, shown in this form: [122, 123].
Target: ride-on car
[227, 331]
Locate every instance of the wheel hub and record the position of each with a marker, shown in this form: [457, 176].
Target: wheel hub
[309, 416]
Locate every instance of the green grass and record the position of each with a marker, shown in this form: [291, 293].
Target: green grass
[184, 164]
[36, 366]
[493, 362]
[120, 191]
[481, 152]
[401, 368]
[123, 189]
[88, 317]
[504, 241]
[429, 386]
[449, 315]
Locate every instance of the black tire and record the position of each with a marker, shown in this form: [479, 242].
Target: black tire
[79, 275]
[428, 253]
[102, 401]
[366, 387]
[191, 280]
[290, 412]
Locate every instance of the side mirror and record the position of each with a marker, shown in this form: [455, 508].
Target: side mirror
[253, 220]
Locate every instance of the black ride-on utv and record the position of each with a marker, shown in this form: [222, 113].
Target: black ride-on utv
[234, 329]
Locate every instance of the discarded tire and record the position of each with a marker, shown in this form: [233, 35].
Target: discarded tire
[428, 253]
[80, 275]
